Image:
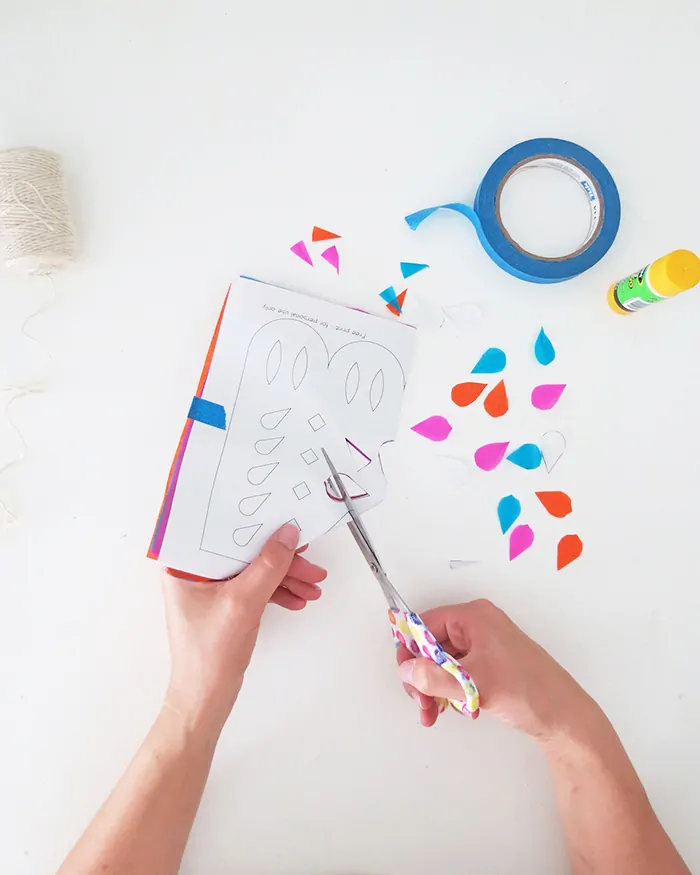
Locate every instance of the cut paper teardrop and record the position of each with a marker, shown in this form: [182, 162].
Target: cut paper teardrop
[435, 428]
[274, 418]
[303, 253]
[552, 445]
[528, 456]
[496, 402]
[260, 473]
[544, 350]
[464, 317]
[464, 394]
[544, 397]
[319, 234]
[490, 456]
[245, 534]
[557, 504]
[462, 563]
[508, 511]
[493, 361]
[252, 503]
[568, 550]
[352, 487]
[332, 257]
[521, 539]
[397, 306]
[267, 445]
[408, 268]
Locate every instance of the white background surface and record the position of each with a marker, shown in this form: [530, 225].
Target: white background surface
[202, 140]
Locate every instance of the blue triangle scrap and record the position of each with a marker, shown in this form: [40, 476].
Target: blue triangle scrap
[389, 295]
[408, 268]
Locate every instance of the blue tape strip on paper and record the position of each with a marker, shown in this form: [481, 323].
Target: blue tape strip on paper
[603, 198]
[208, 413]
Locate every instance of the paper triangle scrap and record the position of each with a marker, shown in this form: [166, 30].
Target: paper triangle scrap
[408, 268]
[396, 307]
[303, 253]
[332, 257]
[319, 234]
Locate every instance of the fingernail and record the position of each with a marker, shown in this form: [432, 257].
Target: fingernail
[406, 671]
[288, 535]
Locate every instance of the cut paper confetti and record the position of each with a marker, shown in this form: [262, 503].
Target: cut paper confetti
[557, 504]
[435, 428]
[462, 563]
[496, 402]
[568, 550]
[546, 396]
[389, 295]
[303, 253]
[528, 456]
[332, 257]
[493, 361]
[544, 351]
[552, 445]
[464, 394]
[464, 317]
[521, 539]
[408, 268]
[397, 306]
[490, 456]
[319, 234]
[508, 511]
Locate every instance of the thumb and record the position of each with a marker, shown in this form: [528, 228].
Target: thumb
[429, 678]
[267, 571]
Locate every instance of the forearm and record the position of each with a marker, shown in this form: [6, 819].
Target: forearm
[608, 821]
[142, 828]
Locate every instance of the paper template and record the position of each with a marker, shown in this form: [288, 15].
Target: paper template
[294, 374]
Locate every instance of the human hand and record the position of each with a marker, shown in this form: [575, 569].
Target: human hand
[213, 627]
[518, 680]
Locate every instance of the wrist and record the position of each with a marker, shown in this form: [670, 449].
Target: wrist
[201, 717]
[585, 731]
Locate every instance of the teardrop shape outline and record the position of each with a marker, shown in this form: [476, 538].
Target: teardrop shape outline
[263, 496]
[274, 441]
[277, 422]
[270, 465]
[253, 533]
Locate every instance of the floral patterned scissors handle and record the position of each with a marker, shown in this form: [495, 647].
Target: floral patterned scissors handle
[407, 627]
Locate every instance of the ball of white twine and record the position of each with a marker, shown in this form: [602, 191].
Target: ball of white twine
[37, 234]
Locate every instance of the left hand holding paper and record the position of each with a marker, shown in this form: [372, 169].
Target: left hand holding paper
[213, 627]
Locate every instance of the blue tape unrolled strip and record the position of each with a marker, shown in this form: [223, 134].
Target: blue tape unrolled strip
[208, 413]
[593, 177]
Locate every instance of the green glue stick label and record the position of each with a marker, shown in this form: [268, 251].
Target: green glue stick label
[634, 292]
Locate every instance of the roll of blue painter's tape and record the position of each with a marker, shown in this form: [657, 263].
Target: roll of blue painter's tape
[578, 163]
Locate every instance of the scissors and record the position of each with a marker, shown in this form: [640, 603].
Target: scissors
[406, 626]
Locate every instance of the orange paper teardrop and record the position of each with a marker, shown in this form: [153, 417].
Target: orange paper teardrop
[464, 394]
[496, 402]
[321, 234]
[569, 549]
[557, 504]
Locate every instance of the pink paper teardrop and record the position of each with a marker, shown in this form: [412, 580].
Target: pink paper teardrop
[490, 455]
[546, 396]
[521, 539]
[435, 428]
[332, 257]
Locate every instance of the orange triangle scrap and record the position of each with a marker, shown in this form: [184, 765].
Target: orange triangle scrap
[557, 504]
[568, 550]
[319, 234]
[496, 402]
[399, 300]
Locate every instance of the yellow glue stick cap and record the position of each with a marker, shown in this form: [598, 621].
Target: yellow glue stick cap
[674, 273]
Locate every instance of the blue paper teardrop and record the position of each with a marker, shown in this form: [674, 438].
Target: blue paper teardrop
[493, 361]
[544, 350]
[528, 456]
[508, 512]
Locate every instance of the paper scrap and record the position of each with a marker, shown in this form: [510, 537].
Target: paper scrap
[552, 445]
[544, 397]
[408, 268]
[352, 487]
[544, 351]
[493, 361]
[557, 504]
[568, 550]
[319, 234]
[496, 402]
[389, 295]
[465, 317]
[489, 456]
[528, 456]
[508, 511]
[521, 539]
[303, 253]
[208, 413]
[464, 394]
[332, 257]
[462, 563]
[397, 306]
[435, 428]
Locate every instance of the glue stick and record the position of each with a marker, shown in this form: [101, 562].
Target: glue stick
[668, 276]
